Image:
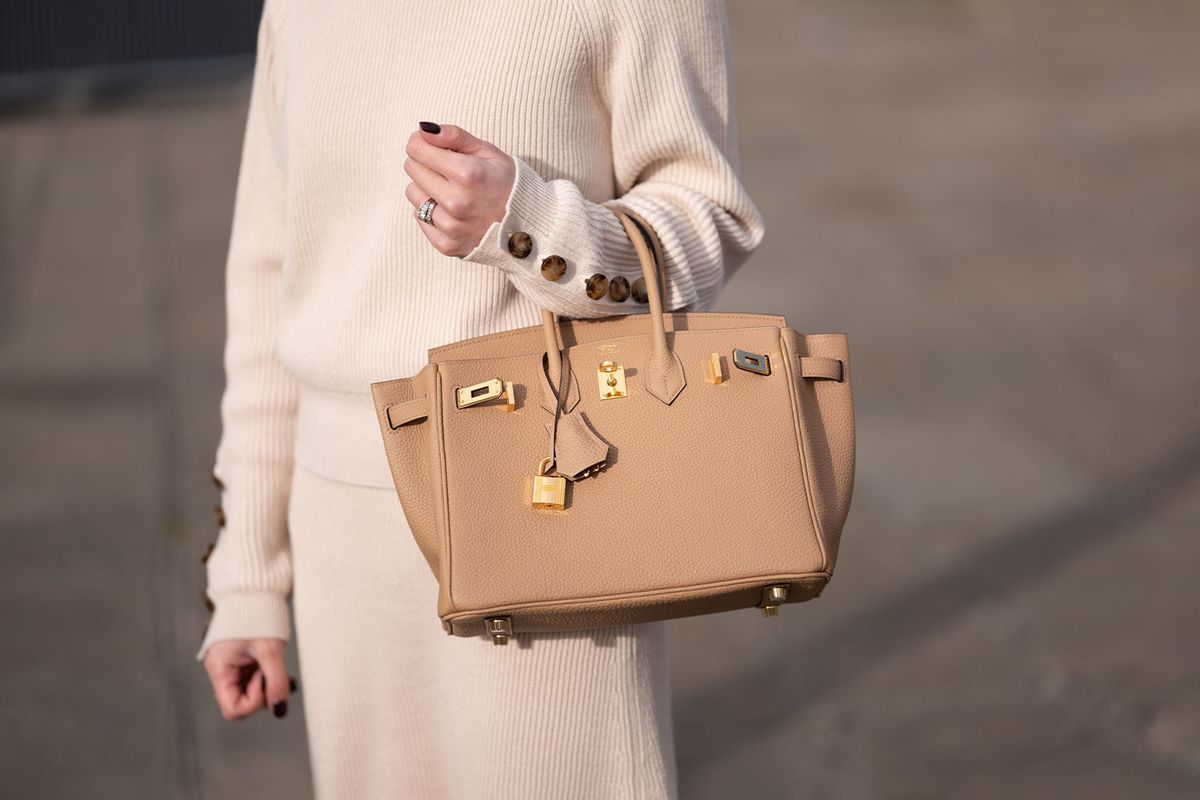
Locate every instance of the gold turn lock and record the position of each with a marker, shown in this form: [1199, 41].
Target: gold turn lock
[499, 628]
[467, 396]
[611, 377]
[773, 597]
[549, 491]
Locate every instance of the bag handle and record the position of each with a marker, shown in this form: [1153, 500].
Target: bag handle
[664, 373]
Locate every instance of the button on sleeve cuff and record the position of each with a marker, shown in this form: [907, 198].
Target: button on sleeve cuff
[558, 221]
[531, 209]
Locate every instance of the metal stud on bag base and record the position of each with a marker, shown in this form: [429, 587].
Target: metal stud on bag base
[499, 628]
[773, 597]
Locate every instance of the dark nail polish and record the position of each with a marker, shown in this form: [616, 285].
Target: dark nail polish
[279, 709]
[431, 127]
[292, 685]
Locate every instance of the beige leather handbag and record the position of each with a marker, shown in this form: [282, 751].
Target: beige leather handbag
[597, 472]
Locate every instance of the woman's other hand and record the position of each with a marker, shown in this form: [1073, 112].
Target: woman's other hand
[469, 178]
[248, 675]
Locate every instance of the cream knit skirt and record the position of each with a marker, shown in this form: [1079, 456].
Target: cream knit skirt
[396, 708]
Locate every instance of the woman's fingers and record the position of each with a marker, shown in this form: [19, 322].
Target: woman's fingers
[269, 654]
[248, 676]
[443, 219]
[430, 184]
[470, 179]
[235, 684]
[453, 153]
[460, 140]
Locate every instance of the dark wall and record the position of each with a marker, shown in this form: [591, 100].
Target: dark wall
[41, 35]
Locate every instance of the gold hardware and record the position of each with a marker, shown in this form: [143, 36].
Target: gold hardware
[715, 373]
[593, 469]
[752, 362]
[549, 491]
[611, 377]
[499, 628]
[467, 396]
[479, 393]
[773, 597]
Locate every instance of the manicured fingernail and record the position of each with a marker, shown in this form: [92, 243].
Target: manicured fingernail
[292, 685]
[279, 709]
[431, 127]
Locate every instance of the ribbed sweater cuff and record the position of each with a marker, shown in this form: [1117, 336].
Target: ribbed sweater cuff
[247, 615]
[562, 222]
[531, 207]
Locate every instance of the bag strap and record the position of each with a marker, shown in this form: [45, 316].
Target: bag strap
[655, 244]
[664, 373]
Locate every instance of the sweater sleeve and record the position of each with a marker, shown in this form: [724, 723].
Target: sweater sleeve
[663, 69]
[249, 570]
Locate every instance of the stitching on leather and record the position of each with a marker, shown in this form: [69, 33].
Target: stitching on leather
[553, 604]
[441, 433]
[387, 412]
[841, 369]
[495, 337]
[801, 441]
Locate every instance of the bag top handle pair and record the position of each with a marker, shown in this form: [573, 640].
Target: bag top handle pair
[664, 373]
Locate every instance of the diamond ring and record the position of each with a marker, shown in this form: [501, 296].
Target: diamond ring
[425, 212]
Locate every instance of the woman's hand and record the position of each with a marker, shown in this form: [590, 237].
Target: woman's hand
[248, 675]
[469, 178]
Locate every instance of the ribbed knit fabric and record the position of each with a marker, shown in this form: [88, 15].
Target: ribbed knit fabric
[330, 283]
[397, 709]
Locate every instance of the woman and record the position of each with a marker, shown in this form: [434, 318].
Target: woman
[338, 276]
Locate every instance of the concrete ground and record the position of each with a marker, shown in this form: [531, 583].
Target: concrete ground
[998, 201]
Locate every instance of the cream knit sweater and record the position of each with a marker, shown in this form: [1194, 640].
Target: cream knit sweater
[330, 285]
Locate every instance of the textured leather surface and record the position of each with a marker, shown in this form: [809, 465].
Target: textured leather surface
[705, 500]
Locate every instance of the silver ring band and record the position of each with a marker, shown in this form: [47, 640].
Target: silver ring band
[425, 212]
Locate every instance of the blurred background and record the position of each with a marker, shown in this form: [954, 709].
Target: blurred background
[999, 202]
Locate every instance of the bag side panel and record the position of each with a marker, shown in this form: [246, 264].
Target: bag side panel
[411, 450]
[827, 418]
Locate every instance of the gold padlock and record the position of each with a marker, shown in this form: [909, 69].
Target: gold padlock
[549, 491]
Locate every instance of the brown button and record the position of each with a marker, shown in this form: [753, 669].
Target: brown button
[618, 288]
[520, 244]
[208, 552]
[208, 603]
[217, 481]
[220, 514]
[596, 286]
[638, 290]
[553, 267]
